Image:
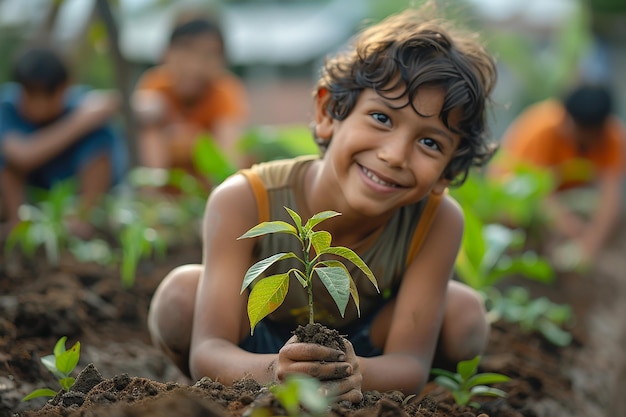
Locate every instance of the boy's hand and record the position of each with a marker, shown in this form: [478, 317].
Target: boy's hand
[337, 371]
[97, 107]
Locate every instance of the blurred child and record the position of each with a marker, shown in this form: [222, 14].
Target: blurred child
[583, 143]
[51, 132]
[190, 93]
[399, 118]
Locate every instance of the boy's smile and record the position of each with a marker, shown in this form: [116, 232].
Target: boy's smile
[388, 153]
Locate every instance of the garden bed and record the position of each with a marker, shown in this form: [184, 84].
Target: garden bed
[87, 303]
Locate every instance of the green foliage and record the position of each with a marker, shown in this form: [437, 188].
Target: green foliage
[270, 292]
[498, 212]
[491, 252]
[210, 160]
[138, 241]
[533, 315]
[466, 383]
[267, 143]
[300, 395]
[43, 223]
[61, 363]
[515, 199]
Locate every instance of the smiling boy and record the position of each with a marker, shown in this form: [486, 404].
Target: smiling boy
[399, 118]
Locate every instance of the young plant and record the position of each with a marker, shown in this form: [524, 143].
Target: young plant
[300, 396]
[61, 363]
[491, 252]
[270, 292]
[43, 223]
[466, 383]
[533, 315]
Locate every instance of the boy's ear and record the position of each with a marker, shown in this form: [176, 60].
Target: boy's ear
[441, 185]
[323, 120]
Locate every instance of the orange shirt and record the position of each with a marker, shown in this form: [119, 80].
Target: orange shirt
[537, 137]
[224, 98]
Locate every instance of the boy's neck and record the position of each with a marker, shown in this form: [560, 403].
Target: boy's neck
[350, 230]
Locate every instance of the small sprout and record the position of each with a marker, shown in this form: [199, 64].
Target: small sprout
[270, 292]
[61, 363]
[301, 395]
[466, 383]
[533, 315]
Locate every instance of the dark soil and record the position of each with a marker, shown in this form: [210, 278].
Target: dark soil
[129, 377]
[320, 334]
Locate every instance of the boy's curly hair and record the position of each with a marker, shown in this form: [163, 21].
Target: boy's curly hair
[411, 50]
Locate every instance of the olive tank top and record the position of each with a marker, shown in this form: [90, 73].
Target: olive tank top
[273, 186]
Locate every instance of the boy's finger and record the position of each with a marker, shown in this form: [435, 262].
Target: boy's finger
[324, 371]
[311, 352]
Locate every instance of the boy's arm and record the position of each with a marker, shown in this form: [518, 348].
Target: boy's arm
[605, 216]
[43, 145]
[416, 323]
[220, 319]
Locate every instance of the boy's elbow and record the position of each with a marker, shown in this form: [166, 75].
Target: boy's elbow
[16, 155]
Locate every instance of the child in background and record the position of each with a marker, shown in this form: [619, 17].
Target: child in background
[190, 93]
[399, 118]
[580, 140]
[50, 132]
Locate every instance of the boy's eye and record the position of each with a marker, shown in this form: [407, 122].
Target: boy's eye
[431, 143]
[381, 118]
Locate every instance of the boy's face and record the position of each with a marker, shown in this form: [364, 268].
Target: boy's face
[384, 155]
[194, 62]
[40, 107]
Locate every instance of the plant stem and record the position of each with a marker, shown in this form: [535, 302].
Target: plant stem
[309, 279]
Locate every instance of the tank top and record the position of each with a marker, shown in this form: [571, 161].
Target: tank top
[388, 257]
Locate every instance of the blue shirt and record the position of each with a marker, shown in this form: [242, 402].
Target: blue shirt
[70, 161]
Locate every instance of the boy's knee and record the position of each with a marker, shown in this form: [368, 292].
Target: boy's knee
[172, 306]
[466, 330]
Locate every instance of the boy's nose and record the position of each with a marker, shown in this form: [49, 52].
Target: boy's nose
[394, 151]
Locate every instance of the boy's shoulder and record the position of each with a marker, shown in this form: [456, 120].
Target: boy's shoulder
[278, 172]
[9, 93]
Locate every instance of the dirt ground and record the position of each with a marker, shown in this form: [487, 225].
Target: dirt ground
[129, 377]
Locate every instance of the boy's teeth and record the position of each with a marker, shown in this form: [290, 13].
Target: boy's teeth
[377, 180]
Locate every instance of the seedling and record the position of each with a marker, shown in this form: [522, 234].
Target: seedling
[466, 383]
[533, 315]
[300, 395]
[491, 252]
[270, 292]
[61, 363]
[43, 223]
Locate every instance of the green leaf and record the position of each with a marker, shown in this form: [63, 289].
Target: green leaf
[448, 383]
[300, 276]
[487, 391]
[49, 361]
[297, 220]
[210, 160]
[66, 383]
[258, 268]
[467, 368]
[59, 347]
[42, 392]
[447, 374]
[270, 227]
[309, 394]
[321, 240]
[287, 395]
[354, 291]
[266, 296]
[486, 378]
[350, 255]
[337, 282]
[554, 333]
[320, 217]
[67, 361]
